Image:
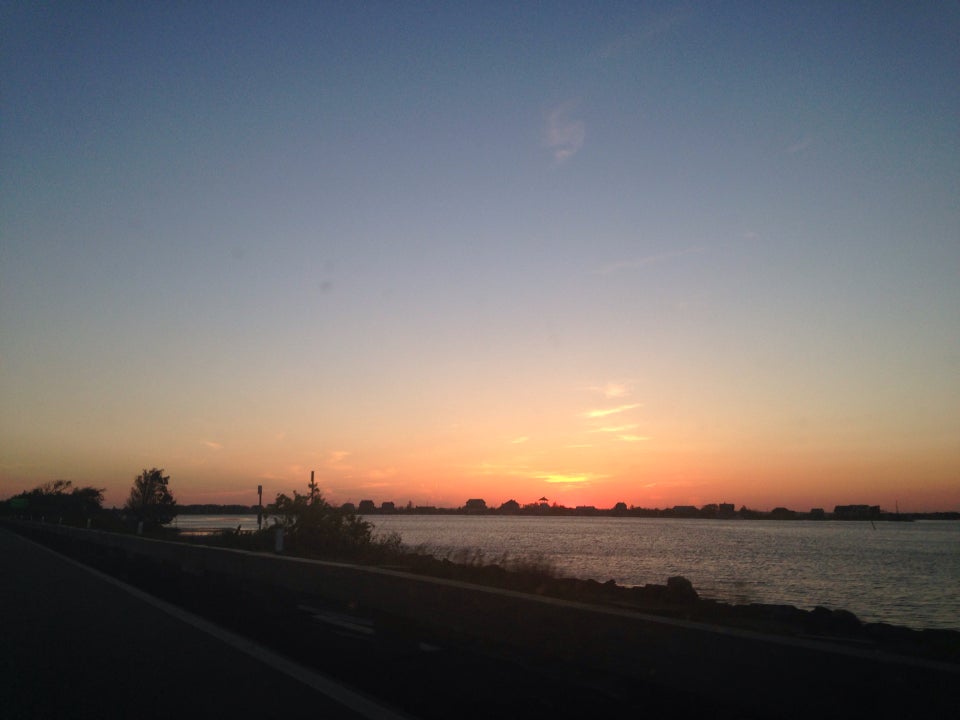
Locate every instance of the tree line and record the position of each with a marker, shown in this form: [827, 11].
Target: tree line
[309, 524]
[150, 504]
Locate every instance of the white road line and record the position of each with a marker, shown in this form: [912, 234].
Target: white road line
[330, 687]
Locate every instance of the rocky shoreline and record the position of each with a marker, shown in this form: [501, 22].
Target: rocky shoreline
[678, 599]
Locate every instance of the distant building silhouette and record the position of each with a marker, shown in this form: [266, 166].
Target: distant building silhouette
[510, 506]
[856, 512]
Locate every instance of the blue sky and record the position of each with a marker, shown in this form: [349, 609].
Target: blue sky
[387, 241]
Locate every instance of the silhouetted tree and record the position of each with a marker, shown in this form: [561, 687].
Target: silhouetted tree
[150, 500]
[58, 501]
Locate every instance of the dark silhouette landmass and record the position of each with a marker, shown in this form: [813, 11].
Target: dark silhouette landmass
[534, 645]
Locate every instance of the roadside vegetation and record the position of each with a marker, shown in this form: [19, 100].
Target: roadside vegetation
[56, 502]
[149, 507]
[310, 527]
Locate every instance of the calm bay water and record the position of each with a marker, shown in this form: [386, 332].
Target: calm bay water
[901, 573]
[205, 523]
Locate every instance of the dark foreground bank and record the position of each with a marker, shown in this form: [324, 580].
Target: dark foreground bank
[437, 648]
[75, 645]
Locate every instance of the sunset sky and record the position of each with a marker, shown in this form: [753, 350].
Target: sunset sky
[658, 253]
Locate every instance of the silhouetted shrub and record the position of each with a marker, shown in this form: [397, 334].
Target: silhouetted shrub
[150, 500]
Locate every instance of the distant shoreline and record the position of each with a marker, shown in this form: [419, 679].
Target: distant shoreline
[869, 514]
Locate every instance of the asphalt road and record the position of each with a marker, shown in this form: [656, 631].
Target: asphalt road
[77, 644]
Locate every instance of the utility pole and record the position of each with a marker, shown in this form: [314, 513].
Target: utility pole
[259, 507]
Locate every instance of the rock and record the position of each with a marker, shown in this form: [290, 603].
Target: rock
[680, 590]
[822, 620]
[844, 622]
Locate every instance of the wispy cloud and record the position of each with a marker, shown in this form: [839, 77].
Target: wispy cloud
[633, 438]
[611, 389]
[799, 146]
[630, 41]
[615, 428]
[604, 412]
[564, 135]
[647, 260]
[519, 440]
[297, 470]
[567, 479]
[337, 461]
[213, 445]
[550, 476]
[336, 457]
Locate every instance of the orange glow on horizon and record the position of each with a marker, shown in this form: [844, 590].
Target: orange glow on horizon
[574, 452]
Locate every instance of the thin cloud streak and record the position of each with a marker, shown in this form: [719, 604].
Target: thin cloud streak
[562, 479]
[563, 135]
[554, 478]
[610, 411]
[630, 42]
[615, 428]
[647, 260]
